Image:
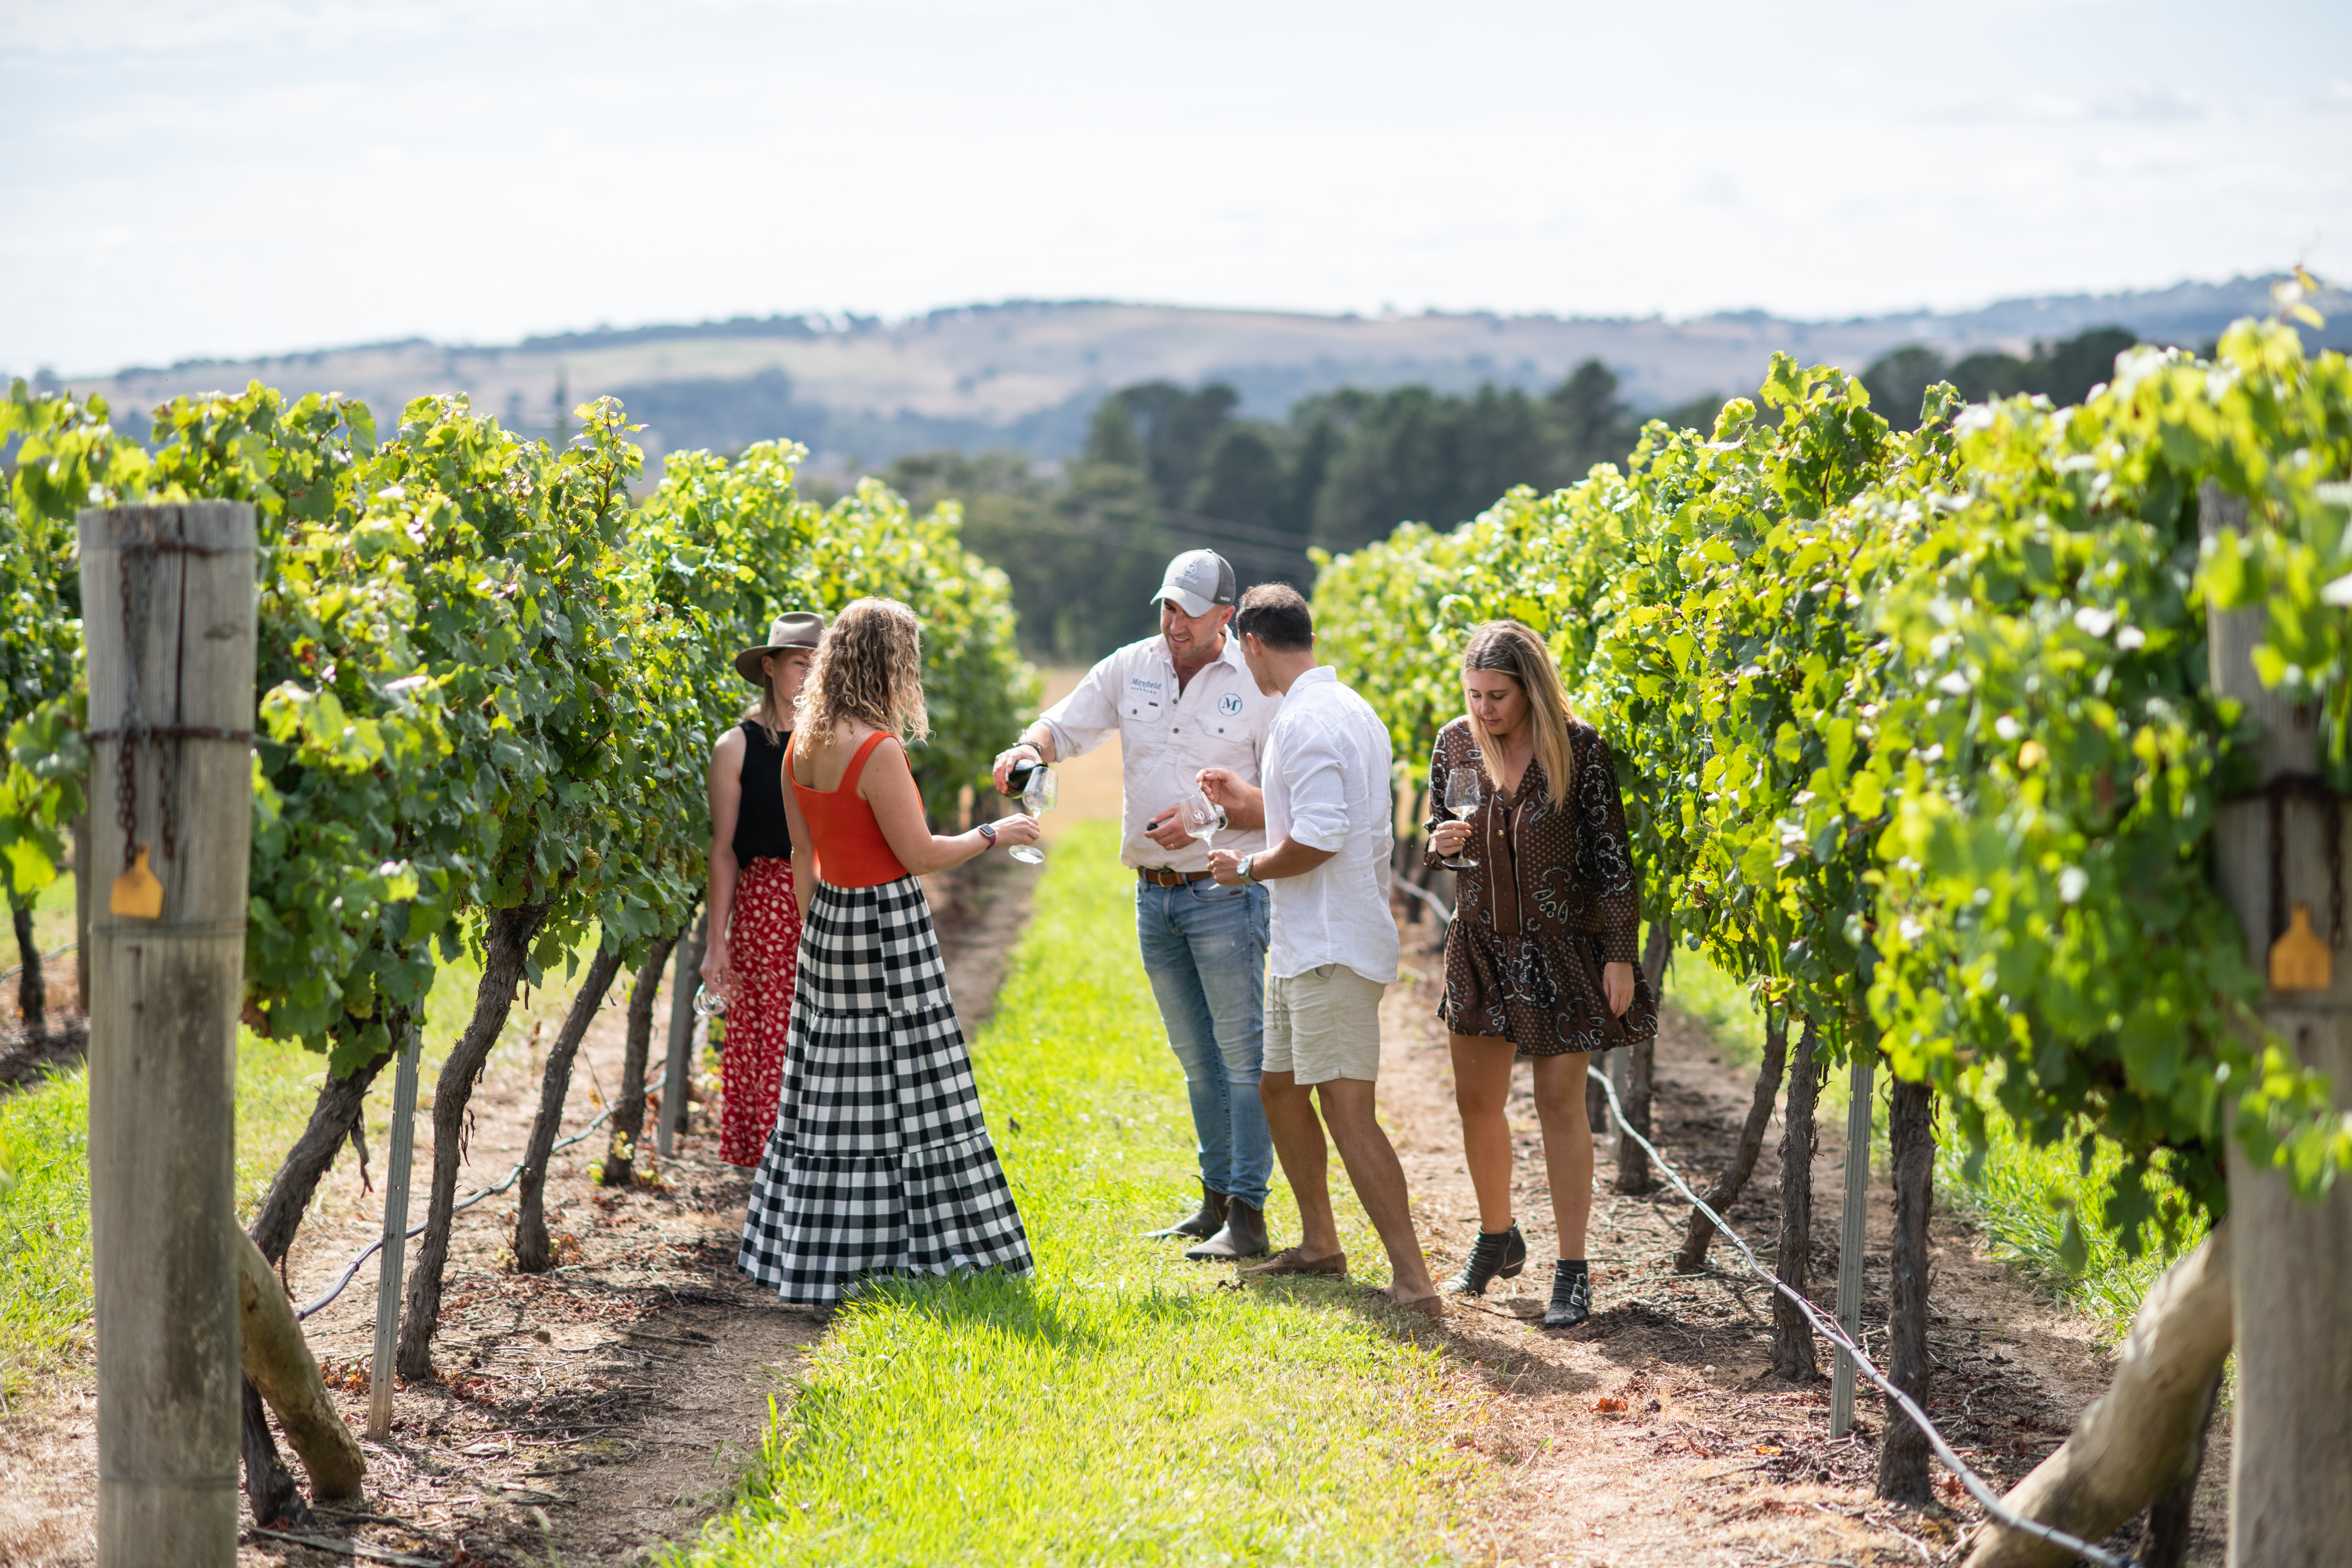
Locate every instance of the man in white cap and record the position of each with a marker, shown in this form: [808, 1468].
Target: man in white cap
[1180, 702]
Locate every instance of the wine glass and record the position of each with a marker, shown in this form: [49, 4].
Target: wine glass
[1465, 787]
[708, 1003]
[1036, 798]
[1200, 815]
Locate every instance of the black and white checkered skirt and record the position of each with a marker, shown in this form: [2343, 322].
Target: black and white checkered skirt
[880, 1163]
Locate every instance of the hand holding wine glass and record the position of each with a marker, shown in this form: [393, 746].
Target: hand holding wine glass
[1200, 815]
[1465, 788]
[1038, 792]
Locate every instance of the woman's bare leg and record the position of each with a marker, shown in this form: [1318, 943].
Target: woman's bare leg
[1567, 1144]
[1482, 1088]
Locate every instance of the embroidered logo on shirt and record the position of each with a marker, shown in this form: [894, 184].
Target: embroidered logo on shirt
[1229, 704]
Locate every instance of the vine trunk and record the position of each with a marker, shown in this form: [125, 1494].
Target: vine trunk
[506, 942]
[629, 1108]
[1792, 1336]
[1903, 1458]
[1633, 1163]
[533, 1253]
[32, 988]
[1700, 1233]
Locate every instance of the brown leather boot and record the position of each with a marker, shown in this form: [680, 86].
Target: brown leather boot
[1204, 1221]
[1244, 1235]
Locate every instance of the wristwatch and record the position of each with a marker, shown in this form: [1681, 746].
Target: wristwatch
[1243, 871]
[988, 831]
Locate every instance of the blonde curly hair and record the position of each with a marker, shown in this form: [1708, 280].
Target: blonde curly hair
[869, 666]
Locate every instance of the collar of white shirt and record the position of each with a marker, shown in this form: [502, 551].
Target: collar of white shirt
[1228, 653]
[1315, 677]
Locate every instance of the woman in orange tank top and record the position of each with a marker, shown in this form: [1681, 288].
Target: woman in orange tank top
[880, 1163]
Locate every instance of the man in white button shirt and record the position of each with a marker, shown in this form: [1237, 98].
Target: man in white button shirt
[1181, 702]
[1329, 825]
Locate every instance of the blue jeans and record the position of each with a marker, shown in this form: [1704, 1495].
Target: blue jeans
[1204, 949]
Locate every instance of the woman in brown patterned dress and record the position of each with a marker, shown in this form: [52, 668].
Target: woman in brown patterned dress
[1539, 960]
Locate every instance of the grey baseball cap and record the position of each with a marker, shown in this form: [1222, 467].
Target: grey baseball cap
[1196, 580]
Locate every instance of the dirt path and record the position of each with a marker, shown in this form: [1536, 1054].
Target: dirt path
[1655, 1434]
[592, 1414]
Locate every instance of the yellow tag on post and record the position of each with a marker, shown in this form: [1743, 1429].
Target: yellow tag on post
[137, 893]
[2299, 960]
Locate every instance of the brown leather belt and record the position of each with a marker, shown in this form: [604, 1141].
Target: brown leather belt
[1164, 877]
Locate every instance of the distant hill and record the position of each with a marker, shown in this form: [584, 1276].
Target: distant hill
[1027, 374]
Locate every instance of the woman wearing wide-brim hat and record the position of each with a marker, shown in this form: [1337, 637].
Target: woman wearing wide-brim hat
[755, 916]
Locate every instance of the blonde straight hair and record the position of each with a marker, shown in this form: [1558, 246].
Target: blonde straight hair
[869, 666]
[1512, 648]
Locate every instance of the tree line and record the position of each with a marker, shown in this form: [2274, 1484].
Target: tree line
[1165, 467]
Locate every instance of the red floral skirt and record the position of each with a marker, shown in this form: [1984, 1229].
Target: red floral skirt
[763, 941]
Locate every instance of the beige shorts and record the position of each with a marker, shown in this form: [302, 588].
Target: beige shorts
[1324, 1024]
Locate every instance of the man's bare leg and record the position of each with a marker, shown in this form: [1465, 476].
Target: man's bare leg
[1379, 1180]
[1299, 1143]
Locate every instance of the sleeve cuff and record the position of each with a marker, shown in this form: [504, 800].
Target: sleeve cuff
[1317, 837]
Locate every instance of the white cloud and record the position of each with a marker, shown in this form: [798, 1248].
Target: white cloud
[248, 176]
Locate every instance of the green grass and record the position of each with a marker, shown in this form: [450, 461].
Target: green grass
[45, 1282]
[53, 908]
[1712, 997]
[45, 1300]
[1117, 1407]
[2020, 1199]
[45, 1261]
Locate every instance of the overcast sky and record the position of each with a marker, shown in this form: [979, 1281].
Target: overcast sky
[240, 177]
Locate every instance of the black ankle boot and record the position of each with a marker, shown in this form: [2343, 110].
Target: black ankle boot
[1203, 1221]
[1571, 1295]
[1496, 1254]
[1244, 1235]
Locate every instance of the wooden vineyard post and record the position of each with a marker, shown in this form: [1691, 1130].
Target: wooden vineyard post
[2291, 1260]
[1860, 1072]
[677, 1074]
[169, 612]
[395, 1230]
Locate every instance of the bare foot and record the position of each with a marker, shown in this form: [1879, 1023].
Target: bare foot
[1429, 1305]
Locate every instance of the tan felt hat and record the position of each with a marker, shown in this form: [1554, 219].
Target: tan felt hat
[799, 629]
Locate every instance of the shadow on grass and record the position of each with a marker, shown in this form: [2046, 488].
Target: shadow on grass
[1012, 1305]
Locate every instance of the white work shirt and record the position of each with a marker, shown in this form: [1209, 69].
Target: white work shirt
[1166, 737]
[1326, 786]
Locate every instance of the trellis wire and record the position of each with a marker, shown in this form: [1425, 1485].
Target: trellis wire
[414, 1231]
[15, 970]
[1444, 915]
[1828, 1329]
